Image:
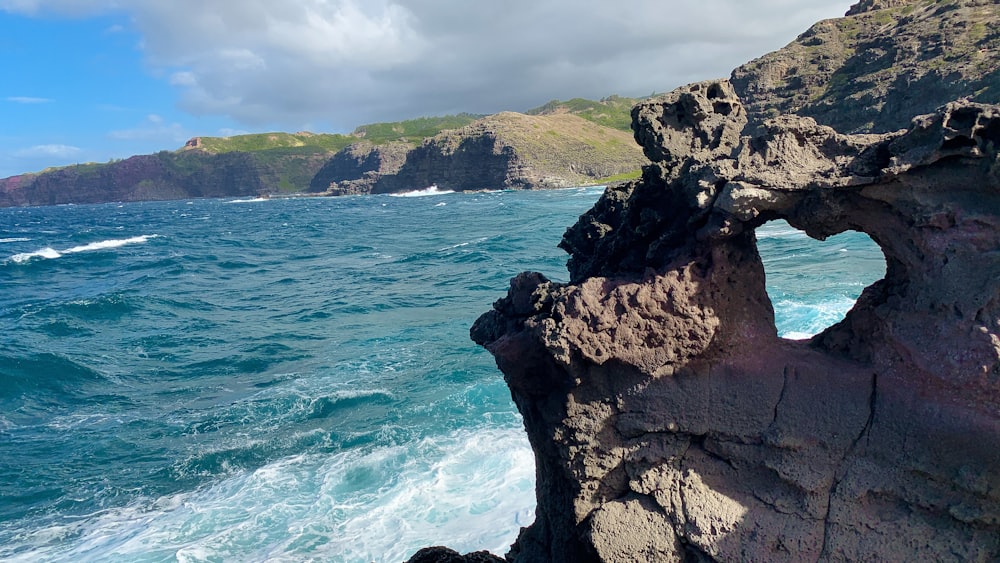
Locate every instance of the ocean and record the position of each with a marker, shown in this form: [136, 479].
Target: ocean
[290, 379]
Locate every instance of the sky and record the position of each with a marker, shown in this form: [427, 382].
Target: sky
[95, 80]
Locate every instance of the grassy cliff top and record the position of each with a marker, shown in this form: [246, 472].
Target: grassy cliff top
[559, 143]
[412, 130]
[613, 111]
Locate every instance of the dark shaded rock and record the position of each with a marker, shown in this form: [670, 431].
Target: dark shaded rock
[357, 168]
[160, 176]
[445, 555]
[668, 420]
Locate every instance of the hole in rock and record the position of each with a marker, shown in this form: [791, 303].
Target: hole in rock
[813, 284]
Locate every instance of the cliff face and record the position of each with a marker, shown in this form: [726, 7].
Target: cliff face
[139, 178]
[873, 70]
[502, 151]
[669, 421]
[357, 168]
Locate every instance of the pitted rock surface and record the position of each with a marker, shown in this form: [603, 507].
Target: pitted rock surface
[670, 422]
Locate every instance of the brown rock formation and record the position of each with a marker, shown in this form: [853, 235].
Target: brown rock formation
[882, 64]
[668, 419]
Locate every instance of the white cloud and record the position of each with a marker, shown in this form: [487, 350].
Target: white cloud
[27, 100]
[154, 128]
[346, 62]
[48, 151]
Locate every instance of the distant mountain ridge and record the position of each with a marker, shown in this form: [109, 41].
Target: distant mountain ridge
[303, 162]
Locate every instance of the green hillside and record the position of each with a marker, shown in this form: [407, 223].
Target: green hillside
[302, 143]
[613, 111]
[257, 142]
[412, 130]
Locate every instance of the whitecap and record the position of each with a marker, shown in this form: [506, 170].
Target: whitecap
[106, 244]
[50, 253]
[432, 190]
[47, 252]
[7, 240]
[252, 200]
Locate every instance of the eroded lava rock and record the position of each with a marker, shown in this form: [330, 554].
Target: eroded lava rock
[668, 419]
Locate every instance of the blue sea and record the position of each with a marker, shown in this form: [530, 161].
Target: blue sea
[290, 379]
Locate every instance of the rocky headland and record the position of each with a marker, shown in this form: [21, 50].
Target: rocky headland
[670, 422]
[558, 145]
[503, 151]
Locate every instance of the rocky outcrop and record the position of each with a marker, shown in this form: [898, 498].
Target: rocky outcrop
[358, 168]
[668, 419]
[873, 70]
[445, 555]
[502, 151]
[160, 176]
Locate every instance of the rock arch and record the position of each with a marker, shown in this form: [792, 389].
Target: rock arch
[668, 419]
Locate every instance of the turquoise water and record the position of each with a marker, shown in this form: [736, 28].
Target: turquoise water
[288, 379]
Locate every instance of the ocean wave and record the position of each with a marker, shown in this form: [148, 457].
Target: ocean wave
[253, 200]
[8, 240]
[106, 244]
[50, 253]
[45, 375]
[379, 504]
[432, 190]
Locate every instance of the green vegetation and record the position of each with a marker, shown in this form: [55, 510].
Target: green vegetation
[633, 175]
[258, 142]
[614, 111]
[412, 130]
[566, 145]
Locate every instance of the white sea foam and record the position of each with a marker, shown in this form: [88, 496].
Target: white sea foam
[472, 489]
[7, 240]
[51, 253]
[798, 320]
[252, 200]
[47, 252]
[106, 244]
[793, 335]
[432, 190]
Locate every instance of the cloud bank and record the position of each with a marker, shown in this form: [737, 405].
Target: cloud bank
[340, 63]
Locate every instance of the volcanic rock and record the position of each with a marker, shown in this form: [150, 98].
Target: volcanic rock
[670, 422]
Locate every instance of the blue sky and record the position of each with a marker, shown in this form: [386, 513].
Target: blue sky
[92, 80]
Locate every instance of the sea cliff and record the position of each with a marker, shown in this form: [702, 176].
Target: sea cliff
[558, 145]
[507, 150]
[670, 422]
